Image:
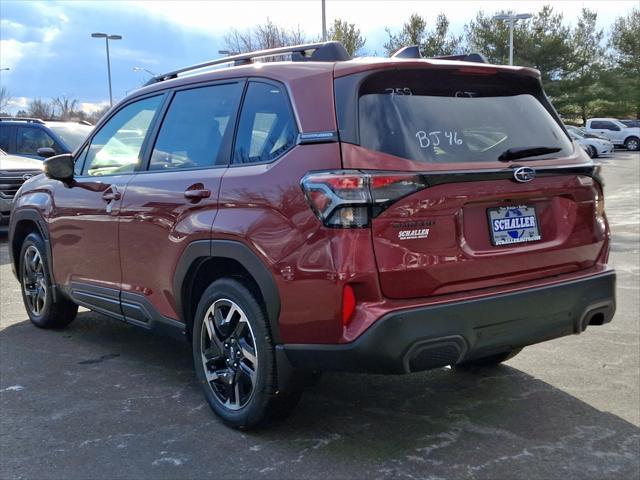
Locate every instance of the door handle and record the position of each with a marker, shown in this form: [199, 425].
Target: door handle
[111, 193]
[197, 192]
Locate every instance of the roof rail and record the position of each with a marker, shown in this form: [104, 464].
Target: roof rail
[413, 51]
[21, 119]
[314, 52]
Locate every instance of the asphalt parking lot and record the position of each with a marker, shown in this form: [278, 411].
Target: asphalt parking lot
[104, 400]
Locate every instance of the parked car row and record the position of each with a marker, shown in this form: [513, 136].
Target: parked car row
[617, 132]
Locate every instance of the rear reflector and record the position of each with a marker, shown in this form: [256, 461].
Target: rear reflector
[348, 304]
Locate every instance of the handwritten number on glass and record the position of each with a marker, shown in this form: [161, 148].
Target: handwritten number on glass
[433, 138]
[398, 91]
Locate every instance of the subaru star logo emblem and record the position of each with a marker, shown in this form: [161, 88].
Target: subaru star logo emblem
[27, 176]
[524, 174]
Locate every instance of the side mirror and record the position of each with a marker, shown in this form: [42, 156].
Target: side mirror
[615, 128]
[46, 152]
[59, 167]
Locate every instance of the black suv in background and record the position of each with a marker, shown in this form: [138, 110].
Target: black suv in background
[39, 139]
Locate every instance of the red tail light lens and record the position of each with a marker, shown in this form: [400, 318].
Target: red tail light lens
[350, 198]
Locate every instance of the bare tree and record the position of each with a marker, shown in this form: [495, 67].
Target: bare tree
[266, 35]
[5, 98]
[66, 106]
[39, 108]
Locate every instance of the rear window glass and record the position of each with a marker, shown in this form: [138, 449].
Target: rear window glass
[434, 116]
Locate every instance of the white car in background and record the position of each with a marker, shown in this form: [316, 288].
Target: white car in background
[594, 146]
[616, 131]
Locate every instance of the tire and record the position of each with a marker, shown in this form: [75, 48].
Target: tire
[490, 361]
[593, 153]
[632, 144]
[234, 358]
[36, 287]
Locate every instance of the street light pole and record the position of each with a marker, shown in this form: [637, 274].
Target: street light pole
[108, 37]
[324, 22]
[512, 20]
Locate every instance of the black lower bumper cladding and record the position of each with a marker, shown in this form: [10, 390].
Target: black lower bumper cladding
[446, 334]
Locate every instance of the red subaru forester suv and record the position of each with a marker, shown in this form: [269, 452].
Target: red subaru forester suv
[319, 213]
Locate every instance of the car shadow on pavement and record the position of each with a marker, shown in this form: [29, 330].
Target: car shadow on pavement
[100, 390]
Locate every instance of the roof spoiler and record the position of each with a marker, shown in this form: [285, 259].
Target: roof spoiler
[310, 52]
[413, 51]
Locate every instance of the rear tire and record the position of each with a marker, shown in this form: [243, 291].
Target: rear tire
[490, 361]
[37, 295]
[632, 144]
[234, 358]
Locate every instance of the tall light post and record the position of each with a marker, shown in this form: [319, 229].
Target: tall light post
[512, 18]
[108, 37]
[324, 22]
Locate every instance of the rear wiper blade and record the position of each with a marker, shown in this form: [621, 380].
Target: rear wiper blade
[525, 152]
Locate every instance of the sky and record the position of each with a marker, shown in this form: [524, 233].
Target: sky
[48, 48]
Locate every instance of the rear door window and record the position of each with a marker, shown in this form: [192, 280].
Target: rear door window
[195, 127]
[432, 116]
[267, 128]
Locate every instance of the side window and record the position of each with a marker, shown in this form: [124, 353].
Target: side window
[267, 128]
[5, 137]
[115, 148]
[194, 127]
[604, 125]
[30, 139]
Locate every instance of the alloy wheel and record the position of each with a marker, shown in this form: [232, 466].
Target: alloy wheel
[229, 355]
[33, 280]
[633, 144]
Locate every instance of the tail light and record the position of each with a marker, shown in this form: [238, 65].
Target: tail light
[598, 199]
[351, 198]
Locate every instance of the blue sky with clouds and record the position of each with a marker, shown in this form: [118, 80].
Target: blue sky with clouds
[50, 52]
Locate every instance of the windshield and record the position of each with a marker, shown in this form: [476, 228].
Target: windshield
[72, 134]
[443, 117]
[575, 132]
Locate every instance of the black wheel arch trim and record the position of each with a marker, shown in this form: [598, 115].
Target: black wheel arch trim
[32, 215]
[200, 251]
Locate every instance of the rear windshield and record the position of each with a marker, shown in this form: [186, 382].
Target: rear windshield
[433, 116]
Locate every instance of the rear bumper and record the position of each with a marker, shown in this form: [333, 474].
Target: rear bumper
[446, 334]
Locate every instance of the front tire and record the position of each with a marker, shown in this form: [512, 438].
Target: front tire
[593, 153]
[234, 357]
[632, 144]
[35, 280]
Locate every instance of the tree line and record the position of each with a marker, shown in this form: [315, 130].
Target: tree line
[583, 71]
[586, 71]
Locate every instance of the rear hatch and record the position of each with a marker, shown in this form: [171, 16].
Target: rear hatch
[489, 188]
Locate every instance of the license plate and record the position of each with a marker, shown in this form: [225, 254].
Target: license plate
[516, 224]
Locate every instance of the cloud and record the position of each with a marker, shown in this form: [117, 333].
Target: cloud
[89, 107]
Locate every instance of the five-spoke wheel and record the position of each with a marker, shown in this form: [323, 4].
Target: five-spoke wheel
[44, 309]
[33, 280]
[228, 348]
